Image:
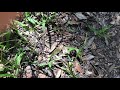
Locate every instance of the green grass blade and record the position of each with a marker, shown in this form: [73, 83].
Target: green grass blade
[19, 58]
[6, 75]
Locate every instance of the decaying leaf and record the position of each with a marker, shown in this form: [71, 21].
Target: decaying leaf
[29, 74]
[78, 67]
[88, 57]
[57, 50]
[88, 73]
[106, 41]
[80, 16]
[93, 46]
[42, 75]
[72, 22]
[54, 45]
[89, 43]
[58, 73]
[112, 67]
[40, 58]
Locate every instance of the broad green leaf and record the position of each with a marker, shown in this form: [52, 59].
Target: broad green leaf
[18, 58]
[20, 23]
[33, 21]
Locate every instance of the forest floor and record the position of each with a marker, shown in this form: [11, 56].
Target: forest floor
[62, 45]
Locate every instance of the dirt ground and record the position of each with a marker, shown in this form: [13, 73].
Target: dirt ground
[100, 56]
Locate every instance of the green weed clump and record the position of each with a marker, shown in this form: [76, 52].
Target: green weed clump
[102, 32]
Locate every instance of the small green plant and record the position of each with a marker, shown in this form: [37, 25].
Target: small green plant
[9, 58]
[13, 66]
[102, 32]
[77, 51]
[45, 19]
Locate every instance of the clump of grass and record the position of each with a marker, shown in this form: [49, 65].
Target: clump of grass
[102, 32]
[31, 22]
[9, 58]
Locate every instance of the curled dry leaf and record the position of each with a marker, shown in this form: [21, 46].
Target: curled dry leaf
[78, 67]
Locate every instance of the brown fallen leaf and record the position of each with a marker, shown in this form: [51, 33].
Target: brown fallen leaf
[78, 67]
[57, 50]
[40, 58]
[73, 22]
[80, 16]
[54, 45]
[87, 57]
[42, 75]
[93, 46]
